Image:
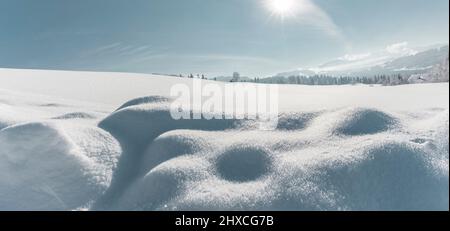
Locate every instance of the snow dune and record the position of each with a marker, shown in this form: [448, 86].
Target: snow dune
[106, 141]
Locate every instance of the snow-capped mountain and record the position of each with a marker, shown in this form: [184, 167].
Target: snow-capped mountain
[395, 59]
[439, 73]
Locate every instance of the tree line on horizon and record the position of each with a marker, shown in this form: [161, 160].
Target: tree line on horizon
[324, 80]
[396, 79]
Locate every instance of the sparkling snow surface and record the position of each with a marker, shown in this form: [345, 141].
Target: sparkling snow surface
[106, 141]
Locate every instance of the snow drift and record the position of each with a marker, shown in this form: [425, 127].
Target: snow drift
[335, 148]
[372, 168]
[47, 166]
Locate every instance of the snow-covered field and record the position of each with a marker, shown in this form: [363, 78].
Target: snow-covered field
[67, 143]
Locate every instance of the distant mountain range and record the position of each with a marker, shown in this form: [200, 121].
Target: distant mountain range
[397, 59]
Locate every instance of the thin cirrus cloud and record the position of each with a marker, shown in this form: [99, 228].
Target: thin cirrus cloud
[109, 57]
[214, 64]
[121, 56]
[118, 49]
[126, 56]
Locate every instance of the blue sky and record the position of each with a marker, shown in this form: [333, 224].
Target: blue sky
[214, 37]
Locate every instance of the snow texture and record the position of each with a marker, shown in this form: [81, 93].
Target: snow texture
[118, 148]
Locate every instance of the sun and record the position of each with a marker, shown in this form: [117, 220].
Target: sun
[282, 8]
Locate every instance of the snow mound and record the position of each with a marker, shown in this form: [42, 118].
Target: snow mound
[144, 100]
[365, 122]
[244, 163]
[294, 121]
[162, 184]
[45, 166]
[390, 176]
[387, 176]
[171, 145]
[349, 153]
[136, 127]
[200, 165]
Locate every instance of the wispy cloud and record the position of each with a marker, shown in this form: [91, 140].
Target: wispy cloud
[118, 49]
[210, 64]
[355, 57]
[401, 49]
[108, 47]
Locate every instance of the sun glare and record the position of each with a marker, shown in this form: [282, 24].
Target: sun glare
[282, 8]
